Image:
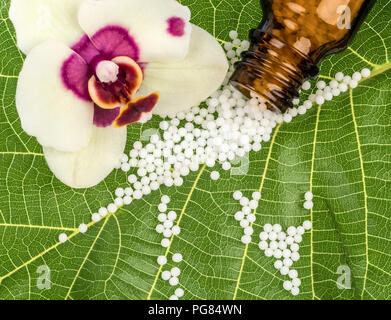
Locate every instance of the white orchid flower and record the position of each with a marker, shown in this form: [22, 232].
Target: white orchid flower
[95, 66]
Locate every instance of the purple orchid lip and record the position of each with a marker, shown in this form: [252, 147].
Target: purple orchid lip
[105, 117]
[176, 26]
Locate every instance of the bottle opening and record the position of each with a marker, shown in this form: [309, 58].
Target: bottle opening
[272, 71]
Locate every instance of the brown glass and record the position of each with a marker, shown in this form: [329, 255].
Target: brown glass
[290, 43]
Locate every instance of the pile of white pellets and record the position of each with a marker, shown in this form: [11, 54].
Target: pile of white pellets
[284, 246]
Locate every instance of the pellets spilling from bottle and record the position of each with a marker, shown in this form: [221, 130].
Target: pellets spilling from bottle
[216, 135]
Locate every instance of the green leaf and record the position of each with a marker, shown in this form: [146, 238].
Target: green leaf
[340, 151]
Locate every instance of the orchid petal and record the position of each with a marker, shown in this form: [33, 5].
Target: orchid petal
[160, 28]
[38, 20]
[48, 109]
[187, 83]
[88, 167]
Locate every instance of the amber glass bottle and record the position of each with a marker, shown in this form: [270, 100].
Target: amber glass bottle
[291, 41]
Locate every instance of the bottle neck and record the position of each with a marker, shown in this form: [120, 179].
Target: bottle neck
[272, 70]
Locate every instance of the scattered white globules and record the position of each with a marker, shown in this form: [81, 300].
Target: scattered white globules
[246, 217]
[308, 204]
[62, 237]
[229, 127]
[284, 247]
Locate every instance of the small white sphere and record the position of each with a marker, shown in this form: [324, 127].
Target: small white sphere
[175, 272]
[306, 86]
[294, 247]
[268, 228]
[137, 194]
[281, 236]
[365, 72]
[132, 178]
[288, 262]
[293, 274]
[162, 207]
[295, 256]
[353, 84]
[174, 281]
[172, 215]
[264, 236]
[103, 212]
[248, 231]
[246, 210]
[269, 252]
[321, 85]
[165, 199]
[287, 285]
[167, 233]
[278, 264]
[159, 228]
[165, 243]
[308, 196]
[339, 76]
[284, 270]
[282, 245]
[286, 253]
[215, 175]
[119, 202]
[244, 223]
[291, 231]
[176, 230]
[253, 204]
[161, 260]
[246, 239]
[256, 196]
[62, 237]
[179, 292]
[296, 282]
[127, 200]
[289, 240]
[320, 99]
[251, 217]
[273, 245]
[357, 76]
[112, 208]
[237, 195]
[166, 275]
[273, 236]
[277, 228]
[96, 217]
[244, 201]
[263, 245]
[298, 238]
[277, 254]
[307, 225]
[177, 257]
[168, 224]
[239, 216]
[308, 205]
[300, 230]
[83, 228]
[162, 217]
[173, 297]
[295, 291]
[119, 192]
[233, 34]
